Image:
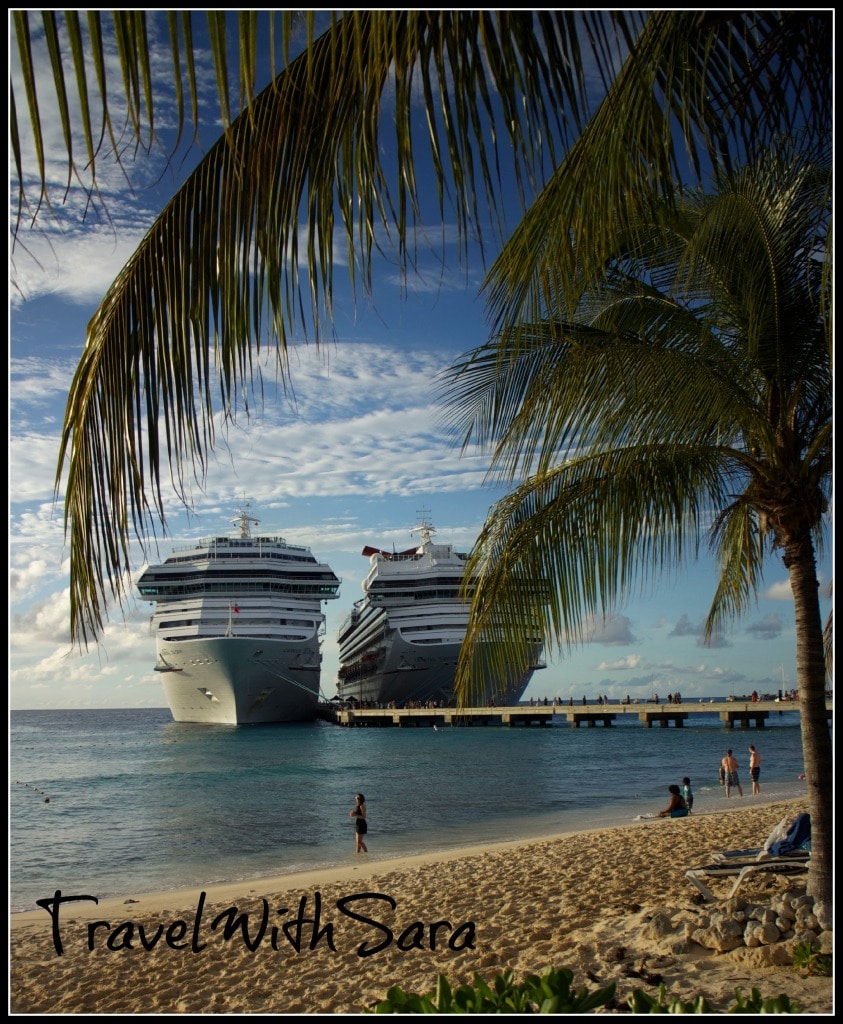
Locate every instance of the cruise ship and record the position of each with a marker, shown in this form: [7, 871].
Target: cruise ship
[402, 640]
[238, 626]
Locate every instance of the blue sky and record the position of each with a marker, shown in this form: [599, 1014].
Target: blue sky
[350, 457]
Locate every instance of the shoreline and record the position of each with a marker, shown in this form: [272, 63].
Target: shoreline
[154, 901]
[364, 866]
[574, 899]
[350, 867]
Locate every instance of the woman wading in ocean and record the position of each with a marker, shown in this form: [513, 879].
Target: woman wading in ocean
[360, 827]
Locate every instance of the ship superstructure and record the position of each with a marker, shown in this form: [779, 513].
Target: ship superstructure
[402, 639]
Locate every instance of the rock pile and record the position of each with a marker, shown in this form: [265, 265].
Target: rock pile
[784, 923]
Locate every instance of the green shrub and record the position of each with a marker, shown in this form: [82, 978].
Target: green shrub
[641, 1002]
[549, 992]
[807, 960]
[756, 1003]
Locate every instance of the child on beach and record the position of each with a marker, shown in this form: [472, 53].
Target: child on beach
[687, 794]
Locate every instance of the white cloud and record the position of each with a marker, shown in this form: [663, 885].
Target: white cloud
[613, 631]
[767, 629]
[684, 627]
[629, 662]
[780, 591]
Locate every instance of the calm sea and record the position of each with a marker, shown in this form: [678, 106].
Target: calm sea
[120, 802]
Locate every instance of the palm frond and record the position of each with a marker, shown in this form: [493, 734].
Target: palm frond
[740, 542]
[220, 273]
[577, 539]
[715, 76]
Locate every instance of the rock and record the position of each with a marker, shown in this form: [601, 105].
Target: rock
[659, 926]
[734, 905]
[775, 955]
[784, 909]
[768, 933]
[722, 937]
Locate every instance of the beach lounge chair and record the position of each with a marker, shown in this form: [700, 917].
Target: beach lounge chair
[741, 870]
[786, 851]
[789, 837]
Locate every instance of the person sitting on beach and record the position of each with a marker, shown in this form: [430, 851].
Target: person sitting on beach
[676, 808]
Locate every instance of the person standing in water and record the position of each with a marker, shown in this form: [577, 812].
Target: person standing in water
[754, 768]
[358, 812]
[729, 766]
[687, 793]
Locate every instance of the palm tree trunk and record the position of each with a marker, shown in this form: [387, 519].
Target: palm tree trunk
[816, 740]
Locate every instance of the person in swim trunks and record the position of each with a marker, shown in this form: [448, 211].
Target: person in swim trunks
[729, 766]
[754, 768]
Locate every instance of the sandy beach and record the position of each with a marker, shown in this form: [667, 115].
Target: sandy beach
[336, 941]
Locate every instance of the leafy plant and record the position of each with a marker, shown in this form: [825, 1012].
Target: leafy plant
[550, 992]
[642, 1002]
[807, 960]
[756, 1003]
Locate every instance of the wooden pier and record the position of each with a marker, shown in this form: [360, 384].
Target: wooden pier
[731, 713]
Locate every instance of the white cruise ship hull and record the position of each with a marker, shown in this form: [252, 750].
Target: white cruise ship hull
[407, 672]
[240, 681]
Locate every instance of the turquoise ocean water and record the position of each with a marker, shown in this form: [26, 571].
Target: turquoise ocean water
[121, 802]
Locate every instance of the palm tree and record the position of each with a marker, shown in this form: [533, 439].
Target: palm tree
[681, 391]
